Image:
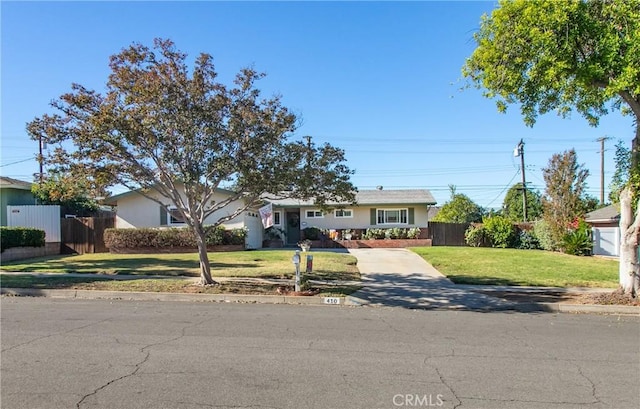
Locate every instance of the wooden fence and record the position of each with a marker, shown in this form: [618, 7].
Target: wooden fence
[84, 234]
[447, 234]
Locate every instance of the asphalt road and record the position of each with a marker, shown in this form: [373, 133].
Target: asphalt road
[59, 353]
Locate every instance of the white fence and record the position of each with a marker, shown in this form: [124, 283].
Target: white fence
[41, 217]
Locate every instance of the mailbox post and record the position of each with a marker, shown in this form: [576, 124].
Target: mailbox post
[296, 262]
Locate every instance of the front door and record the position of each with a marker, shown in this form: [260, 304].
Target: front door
[293, 227]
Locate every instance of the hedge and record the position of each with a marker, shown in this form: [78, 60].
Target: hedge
[20, 237]
[173, 237]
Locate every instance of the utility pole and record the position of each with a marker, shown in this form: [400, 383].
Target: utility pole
[601, 140]
[40, 159]
[519, 151]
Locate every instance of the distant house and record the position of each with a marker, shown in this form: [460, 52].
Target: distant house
[13, 192]
[376, 208]
[606, 231]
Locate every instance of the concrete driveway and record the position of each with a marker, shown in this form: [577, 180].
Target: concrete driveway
[399, 277]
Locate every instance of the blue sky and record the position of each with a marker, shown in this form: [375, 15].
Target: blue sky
[381, 80]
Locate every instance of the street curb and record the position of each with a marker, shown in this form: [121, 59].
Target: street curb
[350, 300]
[147, 296]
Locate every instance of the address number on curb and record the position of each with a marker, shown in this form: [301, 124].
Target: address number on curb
[332, 300]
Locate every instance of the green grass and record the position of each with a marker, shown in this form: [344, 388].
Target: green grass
[492, 266]
[167, 285]
[260, 263]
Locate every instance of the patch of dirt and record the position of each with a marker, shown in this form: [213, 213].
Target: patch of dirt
[601, 298]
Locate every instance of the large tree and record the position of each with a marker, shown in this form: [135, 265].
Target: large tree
[512, 207]
[547, 55]
[168, 130]
[459, 209]
[564, 192]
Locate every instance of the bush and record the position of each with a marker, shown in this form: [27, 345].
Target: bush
[397, 233]
[577, 241]
[527, 241]
[475, 236]
[500, 231]
[173, 237]
[542, 232]
[374, 234]
[312, 233]
[413, 233]
[20, 237]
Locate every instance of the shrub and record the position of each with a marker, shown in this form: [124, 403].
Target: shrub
[500, 231]
[542, 232]
[20, 237]
[173, 237]
[527, 241]
[397, 233]
[373, 234]
[577, 241]
[475, 236]
[413, 233]
[312, 233]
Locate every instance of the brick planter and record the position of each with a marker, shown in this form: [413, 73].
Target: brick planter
[165, 250]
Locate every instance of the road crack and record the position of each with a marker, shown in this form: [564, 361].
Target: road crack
[138, 365]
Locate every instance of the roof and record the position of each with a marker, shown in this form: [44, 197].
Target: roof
[113, 200]
[606, 214]
[10, 183]
[373, 197]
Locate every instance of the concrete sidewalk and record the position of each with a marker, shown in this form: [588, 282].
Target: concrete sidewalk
[399, 277]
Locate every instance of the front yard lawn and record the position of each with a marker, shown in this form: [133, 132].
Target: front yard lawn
[492, 266]
[258, 263]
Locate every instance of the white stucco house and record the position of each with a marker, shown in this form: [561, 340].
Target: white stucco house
[375, 208]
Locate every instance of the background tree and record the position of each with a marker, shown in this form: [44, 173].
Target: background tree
[181, 134]
[620, 177]
[72, 194]
[563, 55]
[459, 209]
[512, 204]
[563, 197]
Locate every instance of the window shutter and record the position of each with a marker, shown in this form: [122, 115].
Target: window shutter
[412, 218]
[374, 216]
[163, 216]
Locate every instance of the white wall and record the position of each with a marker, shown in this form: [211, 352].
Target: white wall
[41, 217]
[136, 210]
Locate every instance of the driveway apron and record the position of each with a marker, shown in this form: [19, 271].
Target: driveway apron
[399, 277]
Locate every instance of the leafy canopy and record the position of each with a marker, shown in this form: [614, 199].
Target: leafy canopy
[550, 55]
[512, 204]
[459, 209]
[165, 128]
[563, 200]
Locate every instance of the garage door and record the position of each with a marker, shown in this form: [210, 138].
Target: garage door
[606, 241]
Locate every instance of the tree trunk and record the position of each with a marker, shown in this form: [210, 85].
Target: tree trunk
[205, 266]
[630, 232]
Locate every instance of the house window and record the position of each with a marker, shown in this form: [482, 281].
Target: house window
[314, 214]
[174, 216]
[343, 213]
[277, 218]
[392, 216]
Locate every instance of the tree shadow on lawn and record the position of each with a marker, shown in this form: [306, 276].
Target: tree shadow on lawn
[484, 280]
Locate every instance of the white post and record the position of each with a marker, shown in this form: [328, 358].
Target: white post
[296, 263]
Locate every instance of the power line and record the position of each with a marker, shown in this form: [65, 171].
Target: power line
[13, 163]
